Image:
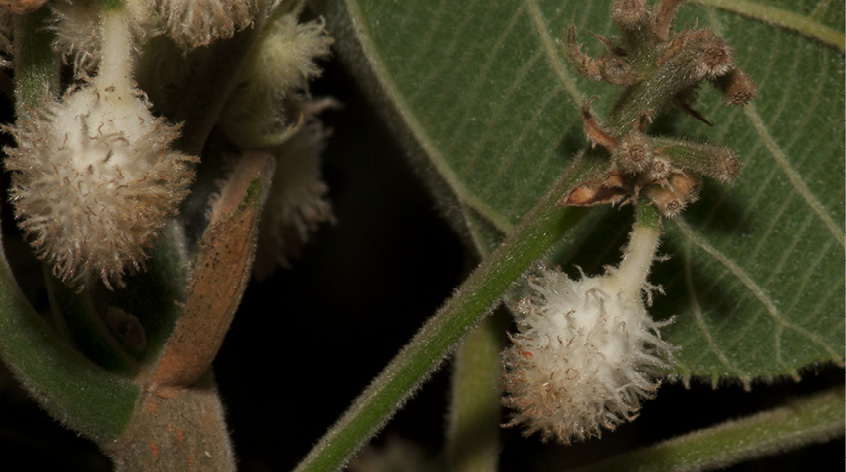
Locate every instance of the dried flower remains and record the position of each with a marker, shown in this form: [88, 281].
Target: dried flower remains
[660, 69]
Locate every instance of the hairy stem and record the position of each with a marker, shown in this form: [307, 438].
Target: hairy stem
[801, 422]
[474, 415]
[36, 64]
[544, 225]
[643, 242]
[212, 85]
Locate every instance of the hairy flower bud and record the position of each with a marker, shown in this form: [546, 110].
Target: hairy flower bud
[261, 108]
[630, 14]
[586, 351]
[634, 153]
[675, 194]
[737, 87]
[94, 180]
[298, 201]
[195, 23]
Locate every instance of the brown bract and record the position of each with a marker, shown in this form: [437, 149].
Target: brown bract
[220, 275]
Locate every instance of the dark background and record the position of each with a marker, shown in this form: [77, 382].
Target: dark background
[308, 340]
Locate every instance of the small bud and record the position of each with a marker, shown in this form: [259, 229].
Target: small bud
[634, 153]
[630, 15]
[661, 168]
[610, 188]
[712, 57]
[718, 162]
[195, 23]
[737, 87]
[673, 196]
[278, 71]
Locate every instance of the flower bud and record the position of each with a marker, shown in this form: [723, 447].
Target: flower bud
[634, 153]
[587, 349]
[630, 14]
[94, 181]
[195, 23]
[737, 87]
[675, 194]
[278, 70]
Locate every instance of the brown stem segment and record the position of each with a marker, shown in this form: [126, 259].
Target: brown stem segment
[221, 273]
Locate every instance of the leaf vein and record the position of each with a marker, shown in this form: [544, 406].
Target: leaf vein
[750, 284]
[806, 277]
[791, 174]
[552, 53]
[745, 378]
[783, 18]
[477, 88]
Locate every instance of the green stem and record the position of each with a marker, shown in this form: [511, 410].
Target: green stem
[648, 215]
[544, 225]
[474, 416]
[83, 396]
[801, 422]
[212, 85]
[85, 327]
[36, 64]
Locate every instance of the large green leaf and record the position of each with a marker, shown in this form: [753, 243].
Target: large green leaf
[481, 91]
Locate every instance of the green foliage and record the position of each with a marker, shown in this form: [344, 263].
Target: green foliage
[755, 278]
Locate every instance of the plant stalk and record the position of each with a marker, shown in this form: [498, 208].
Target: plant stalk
[544, 225]
[804, 421]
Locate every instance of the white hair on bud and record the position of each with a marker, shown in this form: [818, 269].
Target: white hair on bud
[298, 201]
[195, 23]
[94, 178]
[587, 350]
[93, 183]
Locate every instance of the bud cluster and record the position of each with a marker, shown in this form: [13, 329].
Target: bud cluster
[660, 69]
[95, 176]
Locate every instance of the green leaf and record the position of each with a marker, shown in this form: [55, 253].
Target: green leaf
[482, 93]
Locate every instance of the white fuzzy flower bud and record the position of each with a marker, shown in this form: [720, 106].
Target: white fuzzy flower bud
[195, 23]
[297, 204]
[587, 349]
[278, 70]
[94, 177]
